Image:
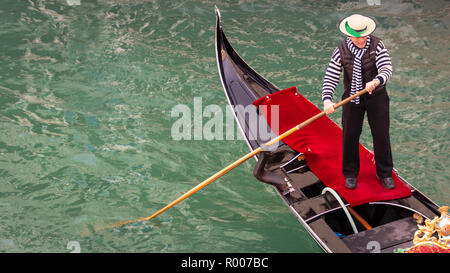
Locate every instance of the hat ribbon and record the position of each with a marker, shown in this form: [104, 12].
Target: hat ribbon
[355, 33]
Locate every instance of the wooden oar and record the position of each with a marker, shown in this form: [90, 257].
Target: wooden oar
[239, 161]
[360, 219]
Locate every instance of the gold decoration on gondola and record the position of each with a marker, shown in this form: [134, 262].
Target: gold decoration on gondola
[434, 232]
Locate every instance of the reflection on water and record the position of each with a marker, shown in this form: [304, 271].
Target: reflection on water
[86, 92]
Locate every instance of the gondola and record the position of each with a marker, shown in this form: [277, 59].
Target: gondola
[335, 225]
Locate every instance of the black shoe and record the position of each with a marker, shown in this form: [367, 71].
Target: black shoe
[387, 182]
[350, 182]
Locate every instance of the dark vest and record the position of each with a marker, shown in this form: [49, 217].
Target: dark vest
[368, 66]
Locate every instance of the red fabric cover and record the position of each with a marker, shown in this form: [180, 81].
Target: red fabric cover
[427, 249]
[321, 143]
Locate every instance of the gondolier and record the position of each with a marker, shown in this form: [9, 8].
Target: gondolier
[366, 64]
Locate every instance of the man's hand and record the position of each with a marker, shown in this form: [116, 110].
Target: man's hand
[328, 107]
[370, 86]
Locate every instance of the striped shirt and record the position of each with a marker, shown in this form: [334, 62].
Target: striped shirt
[334, 70]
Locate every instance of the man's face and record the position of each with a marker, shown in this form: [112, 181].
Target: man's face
[359, 42]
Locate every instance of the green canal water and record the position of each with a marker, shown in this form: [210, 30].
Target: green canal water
[87, 88]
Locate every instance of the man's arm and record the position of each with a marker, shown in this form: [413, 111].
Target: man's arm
[332, 75]
[384, 67]
[331, 80]
[383, 63]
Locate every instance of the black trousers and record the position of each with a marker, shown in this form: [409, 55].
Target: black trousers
[377, 108]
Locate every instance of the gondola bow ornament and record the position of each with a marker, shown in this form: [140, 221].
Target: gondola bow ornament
[434, 235]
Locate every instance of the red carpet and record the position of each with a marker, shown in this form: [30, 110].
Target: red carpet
[321, 143]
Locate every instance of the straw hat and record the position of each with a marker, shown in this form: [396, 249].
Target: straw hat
[357, 25]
